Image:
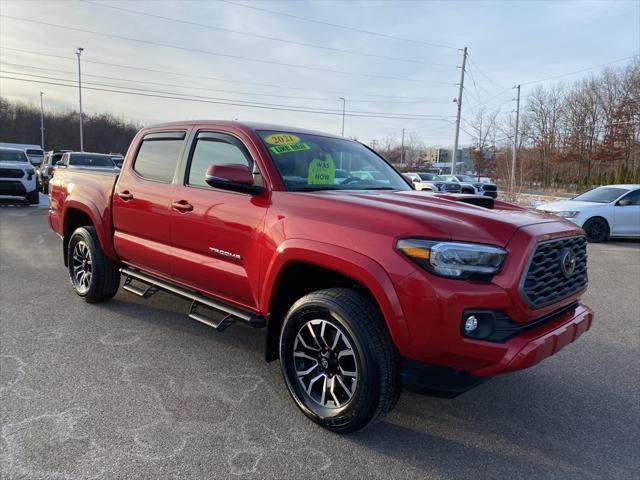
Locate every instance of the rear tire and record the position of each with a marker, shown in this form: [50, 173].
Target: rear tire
[340, 338]
[94, 277]
[597, 230]
[33, 197]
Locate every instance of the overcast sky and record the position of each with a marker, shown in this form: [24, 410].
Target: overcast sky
[509, 43]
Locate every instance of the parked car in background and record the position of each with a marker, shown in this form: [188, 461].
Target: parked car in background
[17, 176]
[432, 182]
[472, 185]
[100, 161]
[34, 152]
[604, 212]
[45, 171]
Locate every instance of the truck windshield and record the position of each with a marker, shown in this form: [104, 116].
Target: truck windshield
[35, 153]
[7, 155]
[429, 177]
[90, 160]
[309, 162]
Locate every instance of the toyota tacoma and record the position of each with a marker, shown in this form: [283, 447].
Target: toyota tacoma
[362, 284]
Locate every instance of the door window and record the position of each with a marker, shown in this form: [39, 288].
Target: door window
[158, 156]
[218, 149]
[632, 198]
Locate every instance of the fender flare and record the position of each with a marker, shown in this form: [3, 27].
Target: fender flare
[347, 262]
[88, 207]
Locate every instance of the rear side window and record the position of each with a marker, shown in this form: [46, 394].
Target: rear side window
[158, 156]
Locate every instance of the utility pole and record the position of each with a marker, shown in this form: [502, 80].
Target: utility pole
[459, 101]
[515, 142]
[402, 149]
[79, 51]
[41, 122]
[344, 102]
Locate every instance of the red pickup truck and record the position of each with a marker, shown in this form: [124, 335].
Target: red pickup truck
[362, 283]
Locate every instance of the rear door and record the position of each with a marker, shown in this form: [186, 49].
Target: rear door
[216, 233]
[142, 202]
[627, 214]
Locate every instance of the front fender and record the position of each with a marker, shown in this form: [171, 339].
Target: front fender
[347, 262]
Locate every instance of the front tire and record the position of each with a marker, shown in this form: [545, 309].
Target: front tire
[338, 360]
[597, 230]
[94, 277]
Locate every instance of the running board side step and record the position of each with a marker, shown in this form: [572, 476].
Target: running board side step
[153, 285]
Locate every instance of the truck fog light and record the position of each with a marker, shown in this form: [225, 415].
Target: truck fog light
[470, 324]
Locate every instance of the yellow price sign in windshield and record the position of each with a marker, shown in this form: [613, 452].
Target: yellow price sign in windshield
[321, 172]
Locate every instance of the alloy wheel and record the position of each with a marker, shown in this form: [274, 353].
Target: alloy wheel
[81, 267]
[325, 363]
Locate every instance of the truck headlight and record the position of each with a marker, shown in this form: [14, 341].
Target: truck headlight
[568, 214]
[454, 259]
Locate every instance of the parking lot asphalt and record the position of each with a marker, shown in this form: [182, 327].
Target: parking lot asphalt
[133, 389]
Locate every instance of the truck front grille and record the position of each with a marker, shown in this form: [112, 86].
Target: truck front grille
[11, 173]
[557, 269]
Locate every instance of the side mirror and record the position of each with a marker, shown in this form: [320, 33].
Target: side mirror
[234, 177]
[623, 203]
[415, 180]
[60, 163]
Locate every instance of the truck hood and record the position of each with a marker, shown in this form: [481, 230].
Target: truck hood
[412, 213]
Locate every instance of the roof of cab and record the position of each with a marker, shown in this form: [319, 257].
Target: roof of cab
[246, 126]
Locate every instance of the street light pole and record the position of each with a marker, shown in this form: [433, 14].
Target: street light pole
[344, 102]
[41, 122]
[79, 51]
[515, 144]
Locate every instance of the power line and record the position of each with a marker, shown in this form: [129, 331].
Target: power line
[471, 62]
[226, 55]
[266, 37]
[322, 22]
[578, 71]
[218, 79]
[192, 98]
[120, 79]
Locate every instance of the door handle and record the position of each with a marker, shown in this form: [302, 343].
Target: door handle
[182, 206]
[125, 195]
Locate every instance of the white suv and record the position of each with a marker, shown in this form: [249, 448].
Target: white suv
[17, 176]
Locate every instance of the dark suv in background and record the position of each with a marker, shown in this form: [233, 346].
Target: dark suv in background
[45, 171]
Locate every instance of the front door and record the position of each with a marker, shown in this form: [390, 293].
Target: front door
[142, 203]
[216, 233]
[627, 215]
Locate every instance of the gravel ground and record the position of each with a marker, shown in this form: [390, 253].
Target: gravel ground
[133, 389]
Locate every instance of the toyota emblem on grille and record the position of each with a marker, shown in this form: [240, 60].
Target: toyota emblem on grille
[568, 262]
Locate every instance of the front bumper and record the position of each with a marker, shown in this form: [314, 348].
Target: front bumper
[492, 194]
[13, 188]
[434, 307]
[530, 348]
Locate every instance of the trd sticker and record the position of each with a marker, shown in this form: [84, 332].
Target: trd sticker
[295, 147]
[281, 139]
